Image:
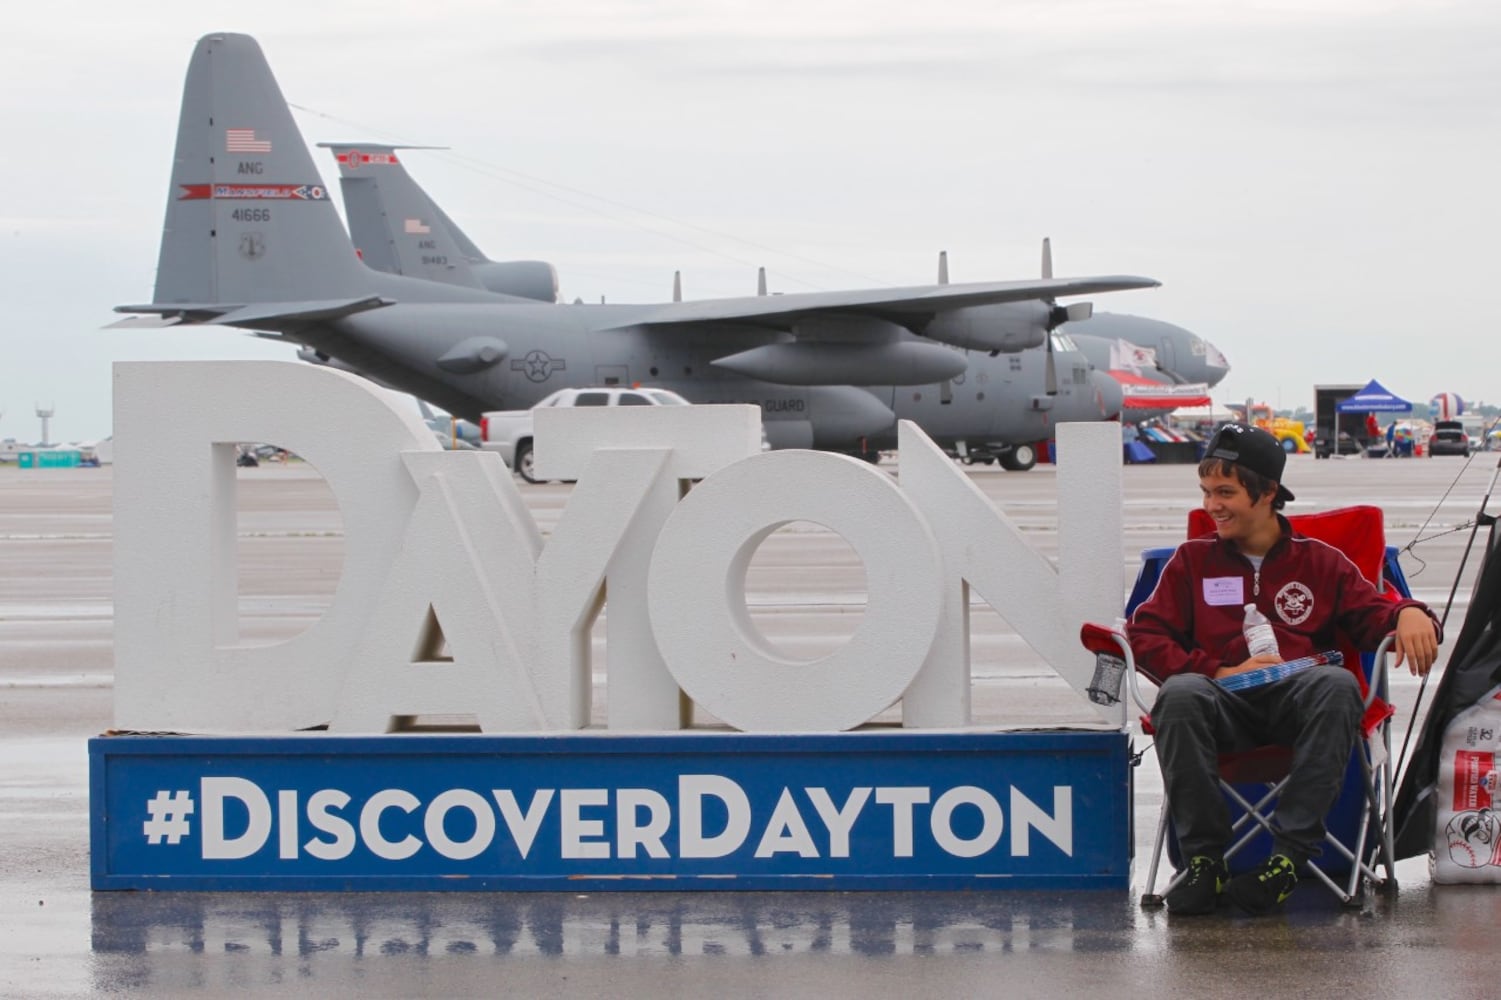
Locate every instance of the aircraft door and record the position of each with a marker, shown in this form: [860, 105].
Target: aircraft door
[1167, 357]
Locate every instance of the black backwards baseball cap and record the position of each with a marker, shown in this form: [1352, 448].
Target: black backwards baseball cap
[1251, 448]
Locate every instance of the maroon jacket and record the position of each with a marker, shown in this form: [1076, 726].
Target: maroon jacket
[1308, 590]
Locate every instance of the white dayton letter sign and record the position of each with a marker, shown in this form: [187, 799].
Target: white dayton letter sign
[698, 593]
[441, 551]
[180, 664]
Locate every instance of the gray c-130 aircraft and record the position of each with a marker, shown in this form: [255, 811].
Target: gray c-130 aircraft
[397, 227]
[252, 241]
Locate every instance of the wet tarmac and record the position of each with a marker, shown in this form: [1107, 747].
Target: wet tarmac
[806, 587]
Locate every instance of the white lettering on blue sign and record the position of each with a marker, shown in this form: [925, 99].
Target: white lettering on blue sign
[601, 823]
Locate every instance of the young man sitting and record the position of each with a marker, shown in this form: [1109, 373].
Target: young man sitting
[1189, 633]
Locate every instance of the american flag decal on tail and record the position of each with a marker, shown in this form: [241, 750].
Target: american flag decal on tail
[243, 140]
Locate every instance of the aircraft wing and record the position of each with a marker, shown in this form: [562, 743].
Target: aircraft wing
[903, 306]
[267, 313]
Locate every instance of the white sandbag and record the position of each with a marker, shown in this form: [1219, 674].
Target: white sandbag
[1467, 845]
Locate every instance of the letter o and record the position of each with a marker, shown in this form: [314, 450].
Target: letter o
[696, 593]
[484, 824]
[993, 825]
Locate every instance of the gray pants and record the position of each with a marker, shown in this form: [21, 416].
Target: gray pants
[1317, 713]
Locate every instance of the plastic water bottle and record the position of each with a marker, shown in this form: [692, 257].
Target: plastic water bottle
[1259, 635]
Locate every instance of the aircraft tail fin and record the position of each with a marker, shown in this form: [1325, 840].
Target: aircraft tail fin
[466, 245]
[399, 229]
[248, 218]
[394, 224]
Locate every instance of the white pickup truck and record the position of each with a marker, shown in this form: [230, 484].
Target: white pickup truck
[509, 432]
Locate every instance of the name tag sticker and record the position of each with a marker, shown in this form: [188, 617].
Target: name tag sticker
[1223, 590]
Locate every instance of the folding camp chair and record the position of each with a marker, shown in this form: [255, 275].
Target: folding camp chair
[1252, 780]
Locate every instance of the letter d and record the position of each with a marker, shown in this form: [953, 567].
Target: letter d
[211, 795]
[691, 840]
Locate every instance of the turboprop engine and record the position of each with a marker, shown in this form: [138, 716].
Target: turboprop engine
[527, 279]
[1007, 327]
[848, 350]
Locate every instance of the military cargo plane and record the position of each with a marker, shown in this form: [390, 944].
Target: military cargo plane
[1150, 348]
[252, 241]
[397, 227]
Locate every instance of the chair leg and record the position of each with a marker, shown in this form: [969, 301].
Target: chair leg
[1380, 792]
[1388, 793]
[1250, 813]
[1150, 898]
[1348, 898]
[1358, 868]
[1376, 784]
[1255, 814]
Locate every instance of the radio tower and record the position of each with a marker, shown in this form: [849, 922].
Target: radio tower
[45, 412]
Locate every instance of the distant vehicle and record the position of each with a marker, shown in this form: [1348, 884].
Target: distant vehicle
[1475, 426]
[509, 432]
[1288, 432]
[453, 433]
[252, 454]
[1448, 438]
[1336, 433]
[101, 452]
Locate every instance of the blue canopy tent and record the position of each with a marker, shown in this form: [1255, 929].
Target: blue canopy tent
[1374, 398]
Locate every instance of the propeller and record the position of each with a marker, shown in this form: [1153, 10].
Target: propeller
[946, 387]
[1057, 316]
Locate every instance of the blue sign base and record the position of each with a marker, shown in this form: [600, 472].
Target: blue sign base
[587, 812]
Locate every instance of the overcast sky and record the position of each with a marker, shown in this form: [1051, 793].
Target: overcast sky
[1315, 183]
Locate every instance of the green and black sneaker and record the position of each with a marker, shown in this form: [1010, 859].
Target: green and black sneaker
[1199, 891]
[1261, 891]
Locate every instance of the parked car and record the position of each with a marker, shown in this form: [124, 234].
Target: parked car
[1449, 438]
[509, 432]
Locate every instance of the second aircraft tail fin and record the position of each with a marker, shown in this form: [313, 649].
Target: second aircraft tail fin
[394, 224]
[399, 229]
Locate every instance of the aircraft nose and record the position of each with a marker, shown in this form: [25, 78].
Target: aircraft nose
[1108, 393]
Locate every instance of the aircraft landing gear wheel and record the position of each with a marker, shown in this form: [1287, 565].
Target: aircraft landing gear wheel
[525, 462]
[1020, 458]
